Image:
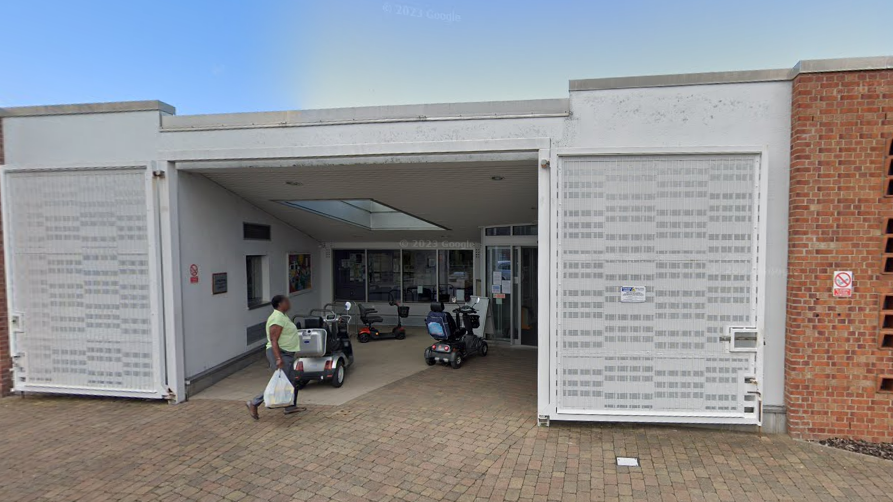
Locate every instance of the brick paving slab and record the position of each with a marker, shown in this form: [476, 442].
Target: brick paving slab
[442, 434]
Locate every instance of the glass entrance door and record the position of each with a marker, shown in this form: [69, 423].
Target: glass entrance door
[499, 289]
[526, 295]
[512, 288]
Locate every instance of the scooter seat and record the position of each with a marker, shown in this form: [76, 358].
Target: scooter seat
[373, 318]
[314, 323]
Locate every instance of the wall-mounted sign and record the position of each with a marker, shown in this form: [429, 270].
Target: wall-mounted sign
[843, 284]
[632, 294]
[219, 283]
[193, 273]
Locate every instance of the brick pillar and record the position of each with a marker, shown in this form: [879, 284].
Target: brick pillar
[839, 127]
[5, 359]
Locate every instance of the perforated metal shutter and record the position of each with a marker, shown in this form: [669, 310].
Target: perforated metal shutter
[79, 260]
[682, 227]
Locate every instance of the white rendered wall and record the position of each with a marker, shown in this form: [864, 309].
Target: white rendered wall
[211, 237]
[754, 114]
[60, 140]
[394, 132]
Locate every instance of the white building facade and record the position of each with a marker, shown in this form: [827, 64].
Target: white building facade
[636, 233]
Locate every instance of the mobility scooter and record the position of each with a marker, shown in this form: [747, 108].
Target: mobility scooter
[369, 316]
[325, 347]
[454, 339]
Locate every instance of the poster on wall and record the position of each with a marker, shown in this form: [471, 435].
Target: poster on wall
[632, 294]
[299, 272]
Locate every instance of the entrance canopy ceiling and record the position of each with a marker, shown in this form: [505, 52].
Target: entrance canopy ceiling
[364, 213]
[452, 199]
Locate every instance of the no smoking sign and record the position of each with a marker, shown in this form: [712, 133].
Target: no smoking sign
[843, 284]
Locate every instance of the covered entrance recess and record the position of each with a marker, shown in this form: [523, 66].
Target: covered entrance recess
[511, 274]
[394, 226]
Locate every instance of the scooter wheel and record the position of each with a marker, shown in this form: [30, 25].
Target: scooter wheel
[484, 349]
[363, 337]
[428, 359]
[456, 361]
[400, 335]
[338, 377]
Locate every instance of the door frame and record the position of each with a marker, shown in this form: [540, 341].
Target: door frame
[515, 243]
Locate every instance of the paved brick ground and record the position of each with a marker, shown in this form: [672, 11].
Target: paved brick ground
[442, 434]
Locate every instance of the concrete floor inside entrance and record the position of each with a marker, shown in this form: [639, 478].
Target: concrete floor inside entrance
[376, 364]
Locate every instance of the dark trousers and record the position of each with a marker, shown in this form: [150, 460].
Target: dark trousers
[288, 366]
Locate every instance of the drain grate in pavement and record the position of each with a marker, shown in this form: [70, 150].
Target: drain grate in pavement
[627, 462]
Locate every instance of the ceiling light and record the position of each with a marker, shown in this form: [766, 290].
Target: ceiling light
[496, 178]
[294, 183]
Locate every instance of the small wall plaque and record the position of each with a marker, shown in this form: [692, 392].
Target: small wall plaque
[219, 283]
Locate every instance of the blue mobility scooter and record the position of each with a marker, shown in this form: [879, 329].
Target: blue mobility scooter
[454, 339]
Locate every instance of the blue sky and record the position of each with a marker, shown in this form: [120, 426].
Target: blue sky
[232, 56]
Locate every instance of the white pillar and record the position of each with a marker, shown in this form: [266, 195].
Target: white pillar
[171, 283]
[546, 265]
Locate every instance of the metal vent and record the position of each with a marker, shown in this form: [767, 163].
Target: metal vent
[256, 232]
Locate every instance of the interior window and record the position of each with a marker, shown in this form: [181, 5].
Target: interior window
[524, 230]
[258, 290]
[384, 275]
[419, 275]
[498, 231]
[456, 271]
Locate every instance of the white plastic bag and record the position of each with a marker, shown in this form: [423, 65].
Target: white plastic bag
[280, 392]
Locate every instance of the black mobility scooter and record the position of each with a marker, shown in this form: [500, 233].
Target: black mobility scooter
[369, 316]
[454, 339]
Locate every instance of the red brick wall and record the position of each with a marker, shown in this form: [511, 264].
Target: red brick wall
[5, 360]
[840, 124]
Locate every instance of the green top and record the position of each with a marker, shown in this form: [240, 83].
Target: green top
[288, 340]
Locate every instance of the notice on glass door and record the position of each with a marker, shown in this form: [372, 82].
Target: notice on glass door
[632, 294]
